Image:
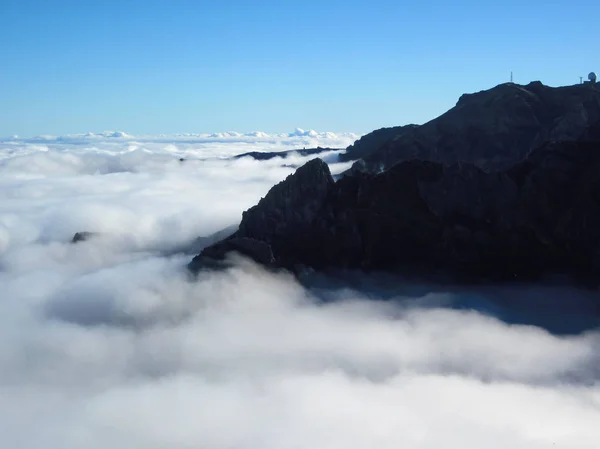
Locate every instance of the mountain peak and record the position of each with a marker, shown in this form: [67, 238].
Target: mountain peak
[493, 129]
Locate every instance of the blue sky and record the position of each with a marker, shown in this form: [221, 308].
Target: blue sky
[148, 67]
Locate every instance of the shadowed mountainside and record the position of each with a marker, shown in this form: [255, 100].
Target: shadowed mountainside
[463, 195]
[493, 129]
[538, 218]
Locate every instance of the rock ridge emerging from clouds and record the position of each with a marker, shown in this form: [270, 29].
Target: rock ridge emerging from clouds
[289, 208]
[505, 186]
[493, 129]
[265, 156]
[541, 217]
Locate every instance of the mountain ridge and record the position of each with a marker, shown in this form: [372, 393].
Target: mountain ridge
[536, 217]
[493, 129]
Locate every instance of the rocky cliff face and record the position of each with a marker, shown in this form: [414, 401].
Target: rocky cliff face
[290, 206]
[289, 209]
[493, 129]
[541, 216]
[464, 194]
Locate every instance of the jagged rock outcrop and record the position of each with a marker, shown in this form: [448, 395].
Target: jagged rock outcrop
[540, 217]
[289, 208]
[492, 129]
[291, 205]
[83, 236]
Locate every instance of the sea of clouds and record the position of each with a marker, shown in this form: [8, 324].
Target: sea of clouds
[109, 343]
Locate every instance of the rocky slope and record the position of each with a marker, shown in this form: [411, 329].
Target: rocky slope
[540, 217]
[372, 141]
[492, 129]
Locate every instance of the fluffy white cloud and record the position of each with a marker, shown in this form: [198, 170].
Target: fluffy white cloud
[298, 137]
[299, 132]
[110, 343]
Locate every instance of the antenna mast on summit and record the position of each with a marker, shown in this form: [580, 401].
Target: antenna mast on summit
[511, 76]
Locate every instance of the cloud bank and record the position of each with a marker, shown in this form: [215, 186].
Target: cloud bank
[110, 343]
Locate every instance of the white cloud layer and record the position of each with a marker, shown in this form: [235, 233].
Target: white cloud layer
[109, 343]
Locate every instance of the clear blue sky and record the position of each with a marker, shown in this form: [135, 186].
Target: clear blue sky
[148, 67]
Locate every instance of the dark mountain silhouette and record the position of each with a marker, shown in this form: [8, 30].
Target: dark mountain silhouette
[492, 129]
[437, 215]
[538, 218]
